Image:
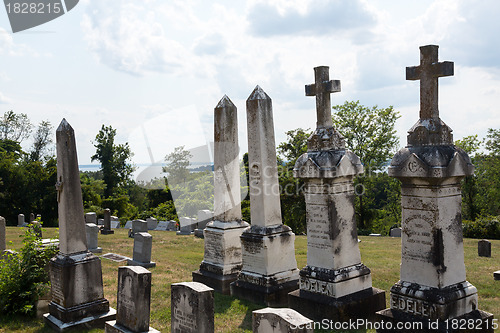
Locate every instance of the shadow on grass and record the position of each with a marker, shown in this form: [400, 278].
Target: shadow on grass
[226, 305]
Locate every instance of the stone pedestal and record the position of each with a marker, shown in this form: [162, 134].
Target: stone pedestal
[285, 320]
[192, 308]
[143, 243]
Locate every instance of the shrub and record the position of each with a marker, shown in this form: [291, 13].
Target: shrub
[483, 227]
[24, 276]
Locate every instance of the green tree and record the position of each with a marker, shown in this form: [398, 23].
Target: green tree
[470, 205]
[177, 165]
[41, 141]
[115, 161]
[14, 126]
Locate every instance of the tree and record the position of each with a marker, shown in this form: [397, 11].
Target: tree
[114, 159]
[177, 165]
[14, 126]
[42, 140]
[470, 206]
[370, 133]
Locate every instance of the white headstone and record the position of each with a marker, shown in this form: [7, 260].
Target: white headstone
[282, 320]
[92, 231]
[91, 217]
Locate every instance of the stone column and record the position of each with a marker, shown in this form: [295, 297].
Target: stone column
[75, 273]
[432, 287]
[222, 260]
[106, 230]
[269, 269]
[334, 269]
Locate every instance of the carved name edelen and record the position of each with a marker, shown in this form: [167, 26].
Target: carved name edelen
[414, 306]
[317, 286]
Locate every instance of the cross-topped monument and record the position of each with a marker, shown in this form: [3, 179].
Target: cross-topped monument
[322, 88]
[428, 73]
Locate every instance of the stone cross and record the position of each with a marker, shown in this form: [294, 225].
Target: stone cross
[428, 73]
[322, 88]
[72, 235]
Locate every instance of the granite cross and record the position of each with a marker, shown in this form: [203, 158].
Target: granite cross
[322, 88]
[428, 73]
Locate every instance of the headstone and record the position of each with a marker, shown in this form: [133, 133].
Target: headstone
[282, 320]
[100, 221]
[192, 308]
[162, 226]
[75, 273]
[335, 284]
[92, 231]
[496, 275]
[432, 287]
[128, 225]
[32, 217]
[138, 226]
[223, 258]
[152, 223]
[3, 235]
[199, 233]
[20, 220]
[172, 226]
[484, 248]
[187, 226]
[375, 235]
[269, 269]
[36, 227]
[106, 230]
[204, 217]
[143, 243]
[91, 217]
[115, 224]
[133, 301]
[395, 232]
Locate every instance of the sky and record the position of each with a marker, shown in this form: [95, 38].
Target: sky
[154, 69]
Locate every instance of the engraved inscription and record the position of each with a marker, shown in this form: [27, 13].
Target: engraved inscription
[185, 322]
[418, 239]
[317, 286]
[414, 306]
[318, 227]
[214, 247]
[56, 285]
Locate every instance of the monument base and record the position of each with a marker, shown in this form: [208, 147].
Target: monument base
[220, 283]
[184, 233]
[107, 232]
[96, 250]
[392, 321]
[199, 233]
[272, 296]
[113, 327]
[93, 321]
[360, 305]
[131, 262]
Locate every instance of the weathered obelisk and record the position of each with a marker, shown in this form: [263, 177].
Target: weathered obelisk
[75, 273]
[269, 267]
[334, 284]
[432, 290]
[222, 261]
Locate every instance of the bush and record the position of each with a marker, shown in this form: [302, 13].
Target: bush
[24, 276]
[483, 227]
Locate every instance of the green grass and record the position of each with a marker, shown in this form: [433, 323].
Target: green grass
[177, 256]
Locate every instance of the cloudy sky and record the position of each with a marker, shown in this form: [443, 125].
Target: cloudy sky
[155, 69]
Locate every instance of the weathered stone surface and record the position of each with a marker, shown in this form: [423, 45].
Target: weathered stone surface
[395, 232]
[92, 231]
[91, 217]
[3, 235]
[133, 301]
[484, 248]
[192, 308]
[115, 224]
[143, 243]
[433, 283]
[20, 220]
[281, 320]
[106, 230]
[152, 223]
[162, 226]
[72, 236]
[138, 226]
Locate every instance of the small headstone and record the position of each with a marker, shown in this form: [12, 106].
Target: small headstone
[496, 275]
[106, 230]
[395, 232]
[37, 228]
[143, 243]
[152, 223]
[375, 235]
[192, 308]
[133, 301]
[187, 226]
[484, 248]
[100, 221]
[172, 225]
[204, 216]
[162, 226]
[138, 226]
[128, 225]
[3, 236]
[20, 220]
[115, 222]
[282, 320]
[32, 217]
[92, 237]
[91, 217]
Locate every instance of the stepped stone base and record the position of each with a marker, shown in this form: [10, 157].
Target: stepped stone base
[220, 283]
[272, 296]
[113, 327]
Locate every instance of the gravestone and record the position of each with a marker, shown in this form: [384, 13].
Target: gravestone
[20, 220]
[187, 225]
[36, 227]
[269, 269]
[204, 216]
[395, 232]
[282, 320]
[115, 224]
[432, 288]
[162, 226]
[91, 217]
[143, 243]
[152, 223]
[32, 217]
[100, 221]
[172, 226]
[133, 301]
[192, 308]
[334, 284]
[106, 230]
[3, 235]
[222, 258]
[77, 298]
[484, 248]
[496, 275]
[128, 225]
[138, 226]
[92, 231]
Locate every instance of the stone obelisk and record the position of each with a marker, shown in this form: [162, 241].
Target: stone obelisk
[75, 273]
[334, 284]
[432, 290]
[222, 261]
[269, 267]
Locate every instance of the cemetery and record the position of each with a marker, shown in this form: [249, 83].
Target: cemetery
[218, 273]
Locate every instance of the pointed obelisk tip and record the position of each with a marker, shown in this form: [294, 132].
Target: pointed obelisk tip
[258, 93]
[224, 103]
[64, 126]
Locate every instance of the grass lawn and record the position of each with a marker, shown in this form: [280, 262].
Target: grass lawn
[177, 256]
